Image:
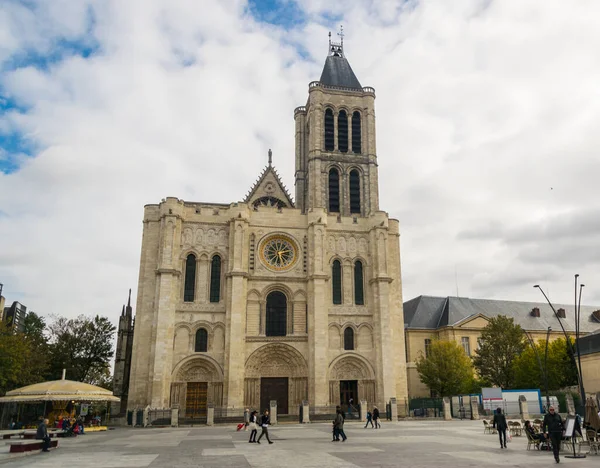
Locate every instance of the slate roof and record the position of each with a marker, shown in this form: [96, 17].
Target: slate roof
[430, 312]
[338, 72]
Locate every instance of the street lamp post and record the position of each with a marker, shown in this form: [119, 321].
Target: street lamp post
[570, 348]
[546, 368]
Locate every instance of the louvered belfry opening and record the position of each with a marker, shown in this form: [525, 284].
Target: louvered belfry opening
[189, 287]
[329, 132]
[336, 281]
[356, 132]
[343, 131]
[359, 298]
[334, 191]
[354, 191]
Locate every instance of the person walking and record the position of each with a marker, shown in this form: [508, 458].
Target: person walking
[553, 426]
[42, 434]
[253, 427]
[369, 419]
[265, 421]
[338, 424]
[500, 425]
[246, 419]
[376, 417]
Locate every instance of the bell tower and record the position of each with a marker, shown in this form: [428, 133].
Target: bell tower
[336, 157]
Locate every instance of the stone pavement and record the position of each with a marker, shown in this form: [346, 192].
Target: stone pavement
[421, 443]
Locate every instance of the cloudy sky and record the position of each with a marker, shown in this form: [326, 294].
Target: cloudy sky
[487, 115]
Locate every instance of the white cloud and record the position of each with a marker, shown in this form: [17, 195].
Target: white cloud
[482, 108]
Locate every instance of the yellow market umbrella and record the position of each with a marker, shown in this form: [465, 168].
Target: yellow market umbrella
[58, 390]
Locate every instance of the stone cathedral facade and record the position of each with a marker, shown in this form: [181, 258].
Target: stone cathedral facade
[269, 299]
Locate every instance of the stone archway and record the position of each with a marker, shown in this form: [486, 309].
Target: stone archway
[351, 375]
[280, 365]
[197, 381]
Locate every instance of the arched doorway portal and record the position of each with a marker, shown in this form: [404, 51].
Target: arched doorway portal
[197, 381]
[279, 372]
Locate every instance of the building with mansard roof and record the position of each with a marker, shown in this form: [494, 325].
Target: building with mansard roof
[270, 299]
[462, 319]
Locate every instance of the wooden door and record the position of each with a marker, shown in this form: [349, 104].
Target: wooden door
[274, 388]
[195, 400]
[348, 390]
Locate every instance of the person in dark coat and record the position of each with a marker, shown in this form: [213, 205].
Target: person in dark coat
[553, 426]
[338, 424]
[500, 424]
[253, 427]
[265, 421]
[376, 417]
[42, 434]
[532, 432]
[369, 419]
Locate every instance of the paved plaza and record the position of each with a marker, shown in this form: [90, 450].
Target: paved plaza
[425, 443]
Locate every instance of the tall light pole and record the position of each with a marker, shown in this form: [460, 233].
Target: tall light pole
[577, 330]
[546, 368]
[570, 347]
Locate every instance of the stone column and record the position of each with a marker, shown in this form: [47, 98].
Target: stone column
[319, 301]
[474, 408]
[394, 409]
[363, 410]
[385, 358]
[305, 412]
[570, 405]
[235, 318]
[523, 408]
[447, 410]
[273, 412]
[175, 417]
[210, 414]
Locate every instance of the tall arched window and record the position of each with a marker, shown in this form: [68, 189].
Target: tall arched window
[356, 132]
[348, 339]
[201, 341]
[329, 135]
[276, 319]
[215, 279]
[343, 131]
[334, 191]
[354, 191]
[359, 297]
[189, 286]
[336, 281]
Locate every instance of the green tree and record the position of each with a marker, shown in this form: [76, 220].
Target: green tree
[561, 372]
[447, 370]
[15, 352]
[501, 342]
[23, 355]
[83, 346]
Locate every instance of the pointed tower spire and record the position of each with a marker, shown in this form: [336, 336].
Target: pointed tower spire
[337, 72]
[123, 311]
[128, 310]
[270, 157]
